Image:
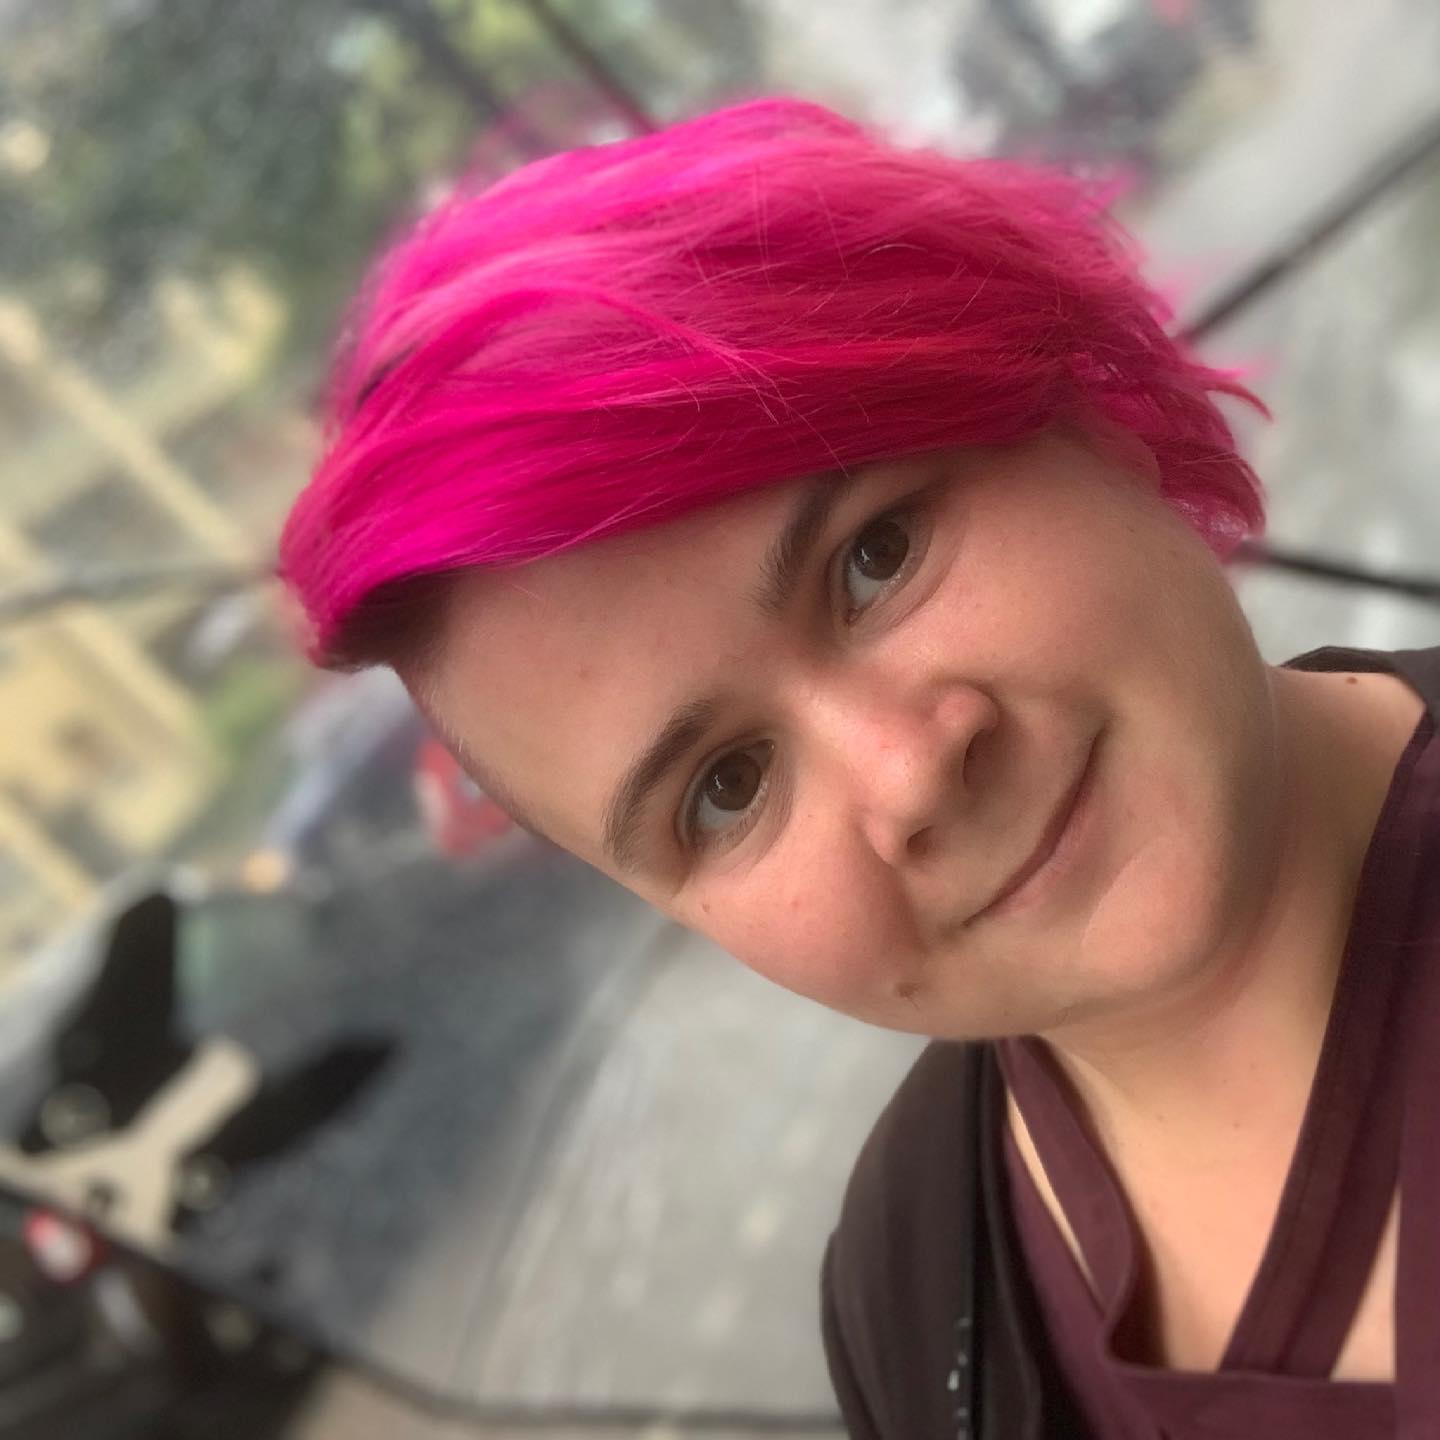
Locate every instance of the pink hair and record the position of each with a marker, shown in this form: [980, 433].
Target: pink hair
[614, 336]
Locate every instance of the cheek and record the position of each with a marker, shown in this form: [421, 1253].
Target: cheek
[1169, 880]
[1036, 615]
[1191, 840]
[830, 933]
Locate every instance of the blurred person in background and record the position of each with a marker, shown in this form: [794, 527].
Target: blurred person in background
[824, 539]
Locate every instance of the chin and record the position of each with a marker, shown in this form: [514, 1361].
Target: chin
[1158, 924]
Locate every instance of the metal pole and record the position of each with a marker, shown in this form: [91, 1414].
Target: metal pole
[1404, 162]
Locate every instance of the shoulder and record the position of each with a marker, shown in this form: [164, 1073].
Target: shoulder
[896, 1267]
[924, 1132]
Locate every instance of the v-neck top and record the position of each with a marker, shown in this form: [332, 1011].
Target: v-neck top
[1372, 1121]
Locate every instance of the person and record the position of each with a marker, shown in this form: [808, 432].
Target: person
[825, 539]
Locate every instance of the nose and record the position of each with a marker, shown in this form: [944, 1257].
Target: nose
[909, 760]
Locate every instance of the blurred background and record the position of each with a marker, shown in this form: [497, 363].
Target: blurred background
[329, 1104]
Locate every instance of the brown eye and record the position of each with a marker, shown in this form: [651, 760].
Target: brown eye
[880, 549]
[728, 790]
[876, 556]
[732, 784]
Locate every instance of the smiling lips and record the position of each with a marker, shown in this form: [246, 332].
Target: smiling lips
[1048, 840]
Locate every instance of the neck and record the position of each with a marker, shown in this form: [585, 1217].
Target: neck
[1221, 1064]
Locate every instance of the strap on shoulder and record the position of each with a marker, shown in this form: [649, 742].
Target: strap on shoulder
[1419, 668]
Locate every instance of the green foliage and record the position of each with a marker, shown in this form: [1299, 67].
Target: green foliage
[249, 700]
[181, 135]
[187, 133]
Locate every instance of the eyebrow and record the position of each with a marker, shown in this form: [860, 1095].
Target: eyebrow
[786, 560]
[781, 571]
[685, 728]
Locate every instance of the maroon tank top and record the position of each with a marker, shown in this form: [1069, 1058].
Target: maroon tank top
[1372, 1120]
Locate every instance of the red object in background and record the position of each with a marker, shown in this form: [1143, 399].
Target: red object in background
[459, 816]
[64, 1251]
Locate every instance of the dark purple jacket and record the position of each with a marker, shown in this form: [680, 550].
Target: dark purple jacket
[929, 1323]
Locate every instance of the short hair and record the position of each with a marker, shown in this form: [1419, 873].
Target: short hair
[615, 336]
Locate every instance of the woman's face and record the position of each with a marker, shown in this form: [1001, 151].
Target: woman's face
[828, 723]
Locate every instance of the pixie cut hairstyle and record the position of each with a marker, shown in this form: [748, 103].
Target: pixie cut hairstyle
[615, 336]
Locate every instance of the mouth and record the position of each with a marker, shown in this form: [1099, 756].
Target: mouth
[1058, 831]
